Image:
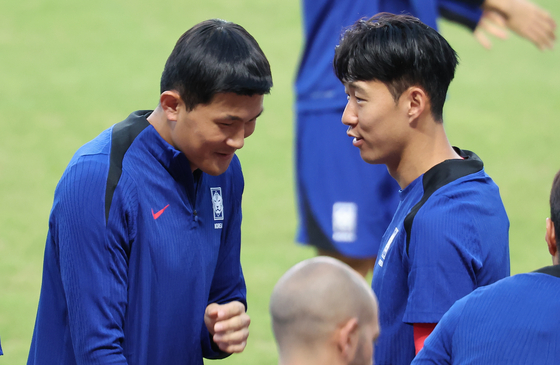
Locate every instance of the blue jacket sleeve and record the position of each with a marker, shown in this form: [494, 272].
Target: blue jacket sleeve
[93, 264]
[466, 13]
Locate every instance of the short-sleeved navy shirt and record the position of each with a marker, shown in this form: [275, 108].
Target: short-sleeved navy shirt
[514, 321]
[448, 237]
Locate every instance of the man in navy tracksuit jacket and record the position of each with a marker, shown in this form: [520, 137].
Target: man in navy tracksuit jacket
[142, 258]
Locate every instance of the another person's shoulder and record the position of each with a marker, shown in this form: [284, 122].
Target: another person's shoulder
[519, 285]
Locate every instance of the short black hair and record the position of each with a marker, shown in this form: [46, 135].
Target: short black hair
[555, 203]
[216, 56]
[400, 51]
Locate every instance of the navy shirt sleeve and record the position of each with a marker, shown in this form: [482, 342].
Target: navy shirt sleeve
[444, 258]
[438, 346]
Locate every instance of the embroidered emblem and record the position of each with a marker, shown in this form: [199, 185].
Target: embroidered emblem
[217, 204]
[344, 221]
[387, 246]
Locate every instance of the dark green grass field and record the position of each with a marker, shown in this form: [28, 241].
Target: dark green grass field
[71, 69]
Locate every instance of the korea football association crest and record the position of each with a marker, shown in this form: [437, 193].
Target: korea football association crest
[344, 221]
[218, 206]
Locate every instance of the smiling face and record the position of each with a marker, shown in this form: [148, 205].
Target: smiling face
[210, 134]
[377, 123]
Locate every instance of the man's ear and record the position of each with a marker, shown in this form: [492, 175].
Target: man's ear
[550, 238]
[416, 102]
[170, 101]
[347, 340]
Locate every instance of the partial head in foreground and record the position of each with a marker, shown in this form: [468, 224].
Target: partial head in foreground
[324, 312]
[212, 91]
[553, 223]
[399, 51]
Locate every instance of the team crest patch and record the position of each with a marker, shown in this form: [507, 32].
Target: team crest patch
[344, 221]
[217, 203]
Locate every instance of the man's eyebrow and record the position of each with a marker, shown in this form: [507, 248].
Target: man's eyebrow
[353, 85]
[236, 118]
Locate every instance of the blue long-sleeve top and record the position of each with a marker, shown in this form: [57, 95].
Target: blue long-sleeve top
[137, 247]
[316, 86]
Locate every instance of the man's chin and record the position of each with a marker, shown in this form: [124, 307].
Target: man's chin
[215, 170]
[371, 160]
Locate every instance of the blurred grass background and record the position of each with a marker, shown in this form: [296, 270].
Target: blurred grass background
[70, 69]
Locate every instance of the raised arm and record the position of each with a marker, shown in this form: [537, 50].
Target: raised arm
[522, 17]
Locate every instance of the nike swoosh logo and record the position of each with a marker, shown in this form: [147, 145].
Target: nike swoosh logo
[156, 215]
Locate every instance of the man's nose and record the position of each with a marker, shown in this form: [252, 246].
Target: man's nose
[237, 139]
[349, 116]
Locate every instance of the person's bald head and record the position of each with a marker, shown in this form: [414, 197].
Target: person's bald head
[316, 298]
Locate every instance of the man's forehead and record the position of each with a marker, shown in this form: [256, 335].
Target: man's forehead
[238, 117]
[366, 87]
[355, 85]
[236, 106]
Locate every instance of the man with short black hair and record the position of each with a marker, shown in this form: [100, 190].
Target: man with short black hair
[449, 234]
[324, 313]
[514, 321]
[142, 256]
[335, 214]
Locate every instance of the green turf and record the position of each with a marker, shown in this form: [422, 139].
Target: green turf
[70, 69]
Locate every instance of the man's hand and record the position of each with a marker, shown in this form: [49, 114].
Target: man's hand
[229, 325]
[520, 16]
[492, 22]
